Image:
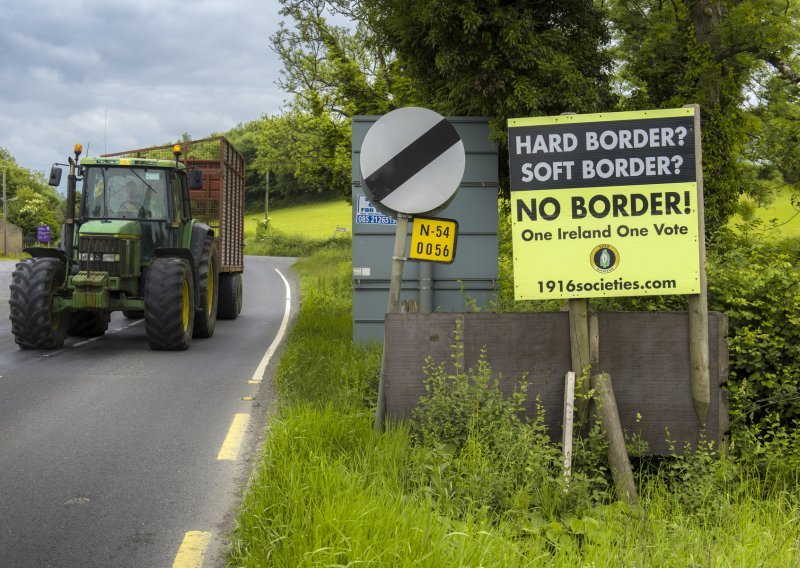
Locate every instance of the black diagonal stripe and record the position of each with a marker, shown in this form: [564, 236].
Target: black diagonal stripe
[411, 160]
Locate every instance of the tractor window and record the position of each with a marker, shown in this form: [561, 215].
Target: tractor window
[125, 193]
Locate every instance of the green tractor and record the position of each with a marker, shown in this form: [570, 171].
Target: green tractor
[133, 247]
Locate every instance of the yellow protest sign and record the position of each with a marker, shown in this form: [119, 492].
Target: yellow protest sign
[604, 205]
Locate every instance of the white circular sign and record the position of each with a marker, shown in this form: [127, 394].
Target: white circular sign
[412, 161]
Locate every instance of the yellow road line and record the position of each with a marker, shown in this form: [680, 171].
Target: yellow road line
[192, 550]
[233, 441]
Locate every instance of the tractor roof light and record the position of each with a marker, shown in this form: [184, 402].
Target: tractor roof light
[177, 151]
[78, 149]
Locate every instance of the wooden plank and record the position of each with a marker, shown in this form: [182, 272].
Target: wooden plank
[618, 460]
[569, 413]
[579, 348]
[698, 303]
[646, 353]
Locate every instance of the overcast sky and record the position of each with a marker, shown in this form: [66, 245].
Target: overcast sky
[122, 74]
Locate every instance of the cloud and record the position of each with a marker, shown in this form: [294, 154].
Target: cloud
[131, 73]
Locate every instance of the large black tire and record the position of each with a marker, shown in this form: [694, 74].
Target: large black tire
[239, 293]
[33, 322]
[230, 296]
[208, 280]
[169, 304]
[88, 323]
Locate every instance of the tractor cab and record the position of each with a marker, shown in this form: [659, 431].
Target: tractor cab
[150, 195]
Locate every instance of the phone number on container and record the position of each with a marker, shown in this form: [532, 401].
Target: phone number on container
[375, 220]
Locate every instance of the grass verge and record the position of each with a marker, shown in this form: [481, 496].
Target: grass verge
[328, 491]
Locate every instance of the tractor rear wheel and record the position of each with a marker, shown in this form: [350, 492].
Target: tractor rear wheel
[33, 322]
[88, 323]
[169, 304]
[208, 279]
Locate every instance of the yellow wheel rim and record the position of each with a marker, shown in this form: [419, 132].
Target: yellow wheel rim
[185, 305]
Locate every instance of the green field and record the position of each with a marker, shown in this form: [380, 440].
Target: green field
[320, 220]
[780, 219]
[314, 220]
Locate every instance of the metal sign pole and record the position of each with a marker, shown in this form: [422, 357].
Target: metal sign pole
[395, 284]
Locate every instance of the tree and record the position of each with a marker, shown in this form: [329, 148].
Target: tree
[308, 153]
[245, 137]
[500, 59]
[34, 202]
[333, 73]
[710, 53]
[495, 59]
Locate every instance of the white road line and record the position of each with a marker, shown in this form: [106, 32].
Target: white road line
[259, 373]
[85, 341]
[124, 327]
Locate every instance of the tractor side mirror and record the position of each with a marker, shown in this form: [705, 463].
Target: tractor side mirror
[195, 179]
[55, 176]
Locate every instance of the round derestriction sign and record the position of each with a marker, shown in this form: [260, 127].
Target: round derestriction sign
[412, 161]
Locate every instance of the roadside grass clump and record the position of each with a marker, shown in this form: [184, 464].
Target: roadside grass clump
[14, 256]
[320, 363]
[269, 241]
[330, 492]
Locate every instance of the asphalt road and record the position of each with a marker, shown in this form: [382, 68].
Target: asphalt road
[109, 451]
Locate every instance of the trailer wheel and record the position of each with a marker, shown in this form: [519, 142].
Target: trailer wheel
[208, 279]
[33, 322]
[88, 323]
[239, 293]
[169, 304]
[230, 295]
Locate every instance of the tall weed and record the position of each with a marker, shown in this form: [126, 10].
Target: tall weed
[478, 456]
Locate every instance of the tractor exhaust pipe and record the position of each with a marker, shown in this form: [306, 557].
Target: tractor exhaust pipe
[69, 220]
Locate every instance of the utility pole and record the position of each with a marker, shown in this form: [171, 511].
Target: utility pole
[5, 219]
[266, 201]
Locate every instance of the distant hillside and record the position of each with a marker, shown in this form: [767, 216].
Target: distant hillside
[314, 220]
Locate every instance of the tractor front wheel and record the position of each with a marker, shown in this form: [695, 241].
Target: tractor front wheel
[33, 322]
[208, 281]
[169, 304]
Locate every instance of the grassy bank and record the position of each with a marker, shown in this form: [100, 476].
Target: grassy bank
[299, 230]
[330, 492]
[312, 220]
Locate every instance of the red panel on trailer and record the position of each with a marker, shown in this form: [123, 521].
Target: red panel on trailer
[220, 202]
